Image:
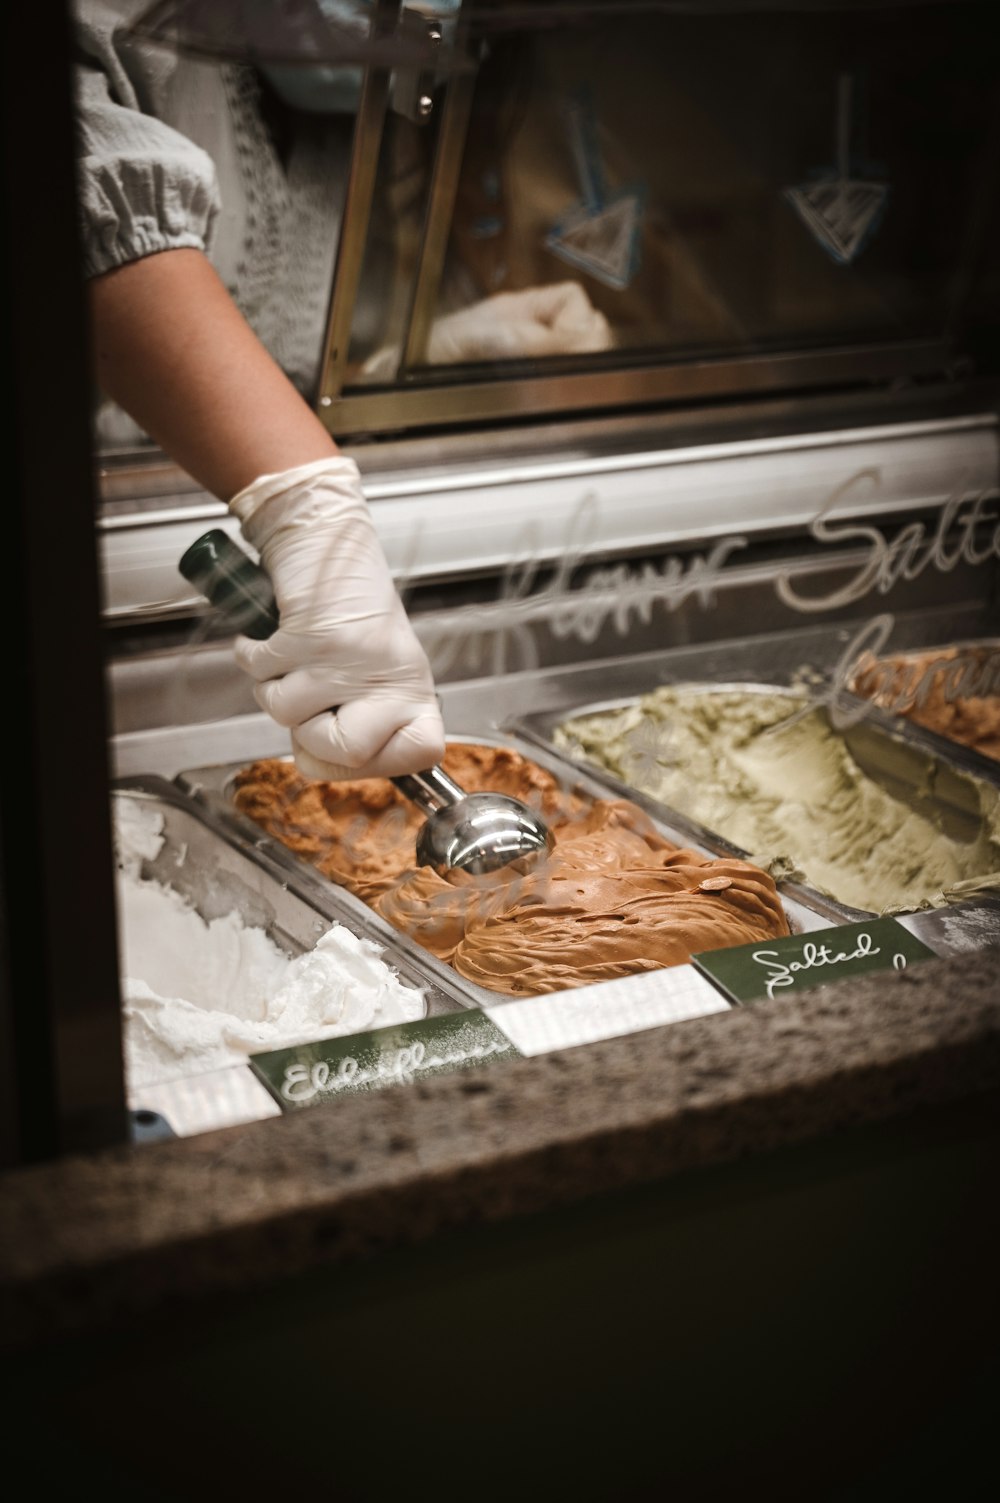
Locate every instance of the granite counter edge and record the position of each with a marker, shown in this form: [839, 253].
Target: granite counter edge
[90, 1240]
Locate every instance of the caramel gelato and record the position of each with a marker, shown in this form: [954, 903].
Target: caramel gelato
[614, 897]
[794, 799]
[953, 691]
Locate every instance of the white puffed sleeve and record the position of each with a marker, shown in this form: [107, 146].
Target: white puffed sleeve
[143, 187]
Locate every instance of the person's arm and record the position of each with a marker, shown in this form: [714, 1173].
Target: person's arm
[171, 348]
[344, 672]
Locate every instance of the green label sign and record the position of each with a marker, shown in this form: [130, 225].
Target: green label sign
[310, 1073]
[750, 973]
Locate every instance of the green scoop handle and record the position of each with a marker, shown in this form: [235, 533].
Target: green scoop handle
[231, 581]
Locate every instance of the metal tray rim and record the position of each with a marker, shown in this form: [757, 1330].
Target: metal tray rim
[536, 726]
[153, 786]
[212, 781]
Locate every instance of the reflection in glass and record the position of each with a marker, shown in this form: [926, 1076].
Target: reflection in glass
[715, 182]
[633, 185]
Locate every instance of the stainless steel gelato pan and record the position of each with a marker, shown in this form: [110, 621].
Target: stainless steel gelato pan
[220, 959]
[857, 820]
[217, 786]
[219, 872]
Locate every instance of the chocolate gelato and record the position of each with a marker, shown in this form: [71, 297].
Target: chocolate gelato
[614, 898]
[954, 691]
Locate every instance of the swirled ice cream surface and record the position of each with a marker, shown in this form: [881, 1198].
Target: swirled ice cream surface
[615, 897]
[199, 995]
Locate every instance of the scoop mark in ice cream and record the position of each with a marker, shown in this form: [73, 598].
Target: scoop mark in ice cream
[614, 898]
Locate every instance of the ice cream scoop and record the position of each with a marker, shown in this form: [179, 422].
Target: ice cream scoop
[469, 832]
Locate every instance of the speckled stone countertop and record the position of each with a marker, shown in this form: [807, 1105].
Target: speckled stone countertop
[89, 1242]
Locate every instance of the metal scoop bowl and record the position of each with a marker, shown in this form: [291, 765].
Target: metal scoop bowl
[477, 833]
[473, 832]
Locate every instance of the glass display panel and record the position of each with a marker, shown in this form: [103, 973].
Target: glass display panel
[598, 188]
[665, 183]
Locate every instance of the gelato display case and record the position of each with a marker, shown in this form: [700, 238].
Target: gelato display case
[752, 496]
[848, 811]
[766, 456]
[758, 446]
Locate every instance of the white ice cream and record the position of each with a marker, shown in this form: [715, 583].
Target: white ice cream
[198, 996]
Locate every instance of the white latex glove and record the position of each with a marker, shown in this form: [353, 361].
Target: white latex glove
[558, 320]
[344, 672]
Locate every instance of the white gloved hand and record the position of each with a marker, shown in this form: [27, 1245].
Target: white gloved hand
[344, 670]
[557, 320]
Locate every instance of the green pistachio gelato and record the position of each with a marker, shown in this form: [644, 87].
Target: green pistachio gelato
[796, 801]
